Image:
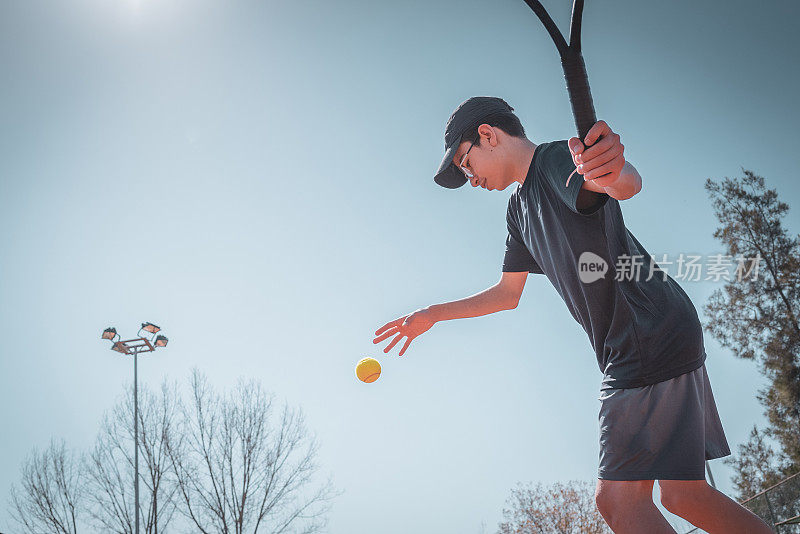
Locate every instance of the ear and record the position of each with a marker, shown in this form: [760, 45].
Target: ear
[489, 133]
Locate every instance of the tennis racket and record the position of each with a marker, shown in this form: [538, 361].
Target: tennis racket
[575, 74]
[580, 97]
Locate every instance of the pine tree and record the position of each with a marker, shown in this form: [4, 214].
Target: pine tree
[757, 318]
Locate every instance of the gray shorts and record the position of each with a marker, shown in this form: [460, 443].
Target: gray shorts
[663, 431]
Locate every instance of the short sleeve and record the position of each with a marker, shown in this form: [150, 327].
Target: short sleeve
[517, 257]
[556, 166]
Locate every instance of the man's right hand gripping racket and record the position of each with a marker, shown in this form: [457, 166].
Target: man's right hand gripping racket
[572, 62]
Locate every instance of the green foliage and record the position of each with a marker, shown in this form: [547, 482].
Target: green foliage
[757, 319]
[755, 465]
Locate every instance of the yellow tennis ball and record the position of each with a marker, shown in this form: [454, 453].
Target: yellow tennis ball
[368, 370]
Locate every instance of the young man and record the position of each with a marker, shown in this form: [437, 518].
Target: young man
[658, 420]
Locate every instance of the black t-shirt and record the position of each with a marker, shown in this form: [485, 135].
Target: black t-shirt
[642, 331]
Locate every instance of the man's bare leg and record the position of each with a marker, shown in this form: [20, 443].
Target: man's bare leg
[628, 508]
[709, 509]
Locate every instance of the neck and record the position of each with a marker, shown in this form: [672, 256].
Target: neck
[522, 156]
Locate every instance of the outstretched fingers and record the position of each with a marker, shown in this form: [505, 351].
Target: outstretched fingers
[390, 324]
[405, 346]
[394, 342]
[398, 338]
[399, 334]
[409, 326]
[391, 331]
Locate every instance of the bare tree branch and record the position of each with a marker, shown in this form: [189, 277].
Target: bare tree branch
[558, 509]
[51, 495]
[110, 467]
[239, 471]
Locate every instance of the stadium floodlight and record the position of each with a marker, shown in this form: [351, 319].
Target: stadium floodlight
[132, 347]
[109, 333]
[150, 327]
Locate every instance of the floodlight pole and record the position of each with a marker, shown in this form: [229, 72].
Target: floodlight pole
[135, 346]
[710, 476]
[136, 432]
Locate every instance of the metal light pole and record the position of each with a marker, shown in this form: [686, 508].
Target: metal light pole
[135, 346]
[710, 476]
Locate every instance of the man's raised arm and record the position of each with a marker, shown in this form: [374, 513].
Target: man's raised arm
[603, 164]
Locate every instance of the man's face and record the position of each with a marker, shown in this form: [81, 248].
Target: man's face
[484, 159]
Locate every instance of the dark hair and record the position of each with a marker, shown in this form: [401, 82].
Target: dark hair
[506, 121]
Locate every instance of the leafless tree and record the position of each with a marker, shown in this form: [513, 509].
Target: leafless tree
[559, 509]
[239, 470]
[111, 464]
[50, 498]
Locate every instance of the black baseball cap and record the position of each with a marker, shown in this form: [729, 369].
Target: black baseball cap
[469, 114]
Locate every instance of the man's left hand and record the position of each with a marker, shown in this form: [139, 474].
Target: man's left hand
[603, 160]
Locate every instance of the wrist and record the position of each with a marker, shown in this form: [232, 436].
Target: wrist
[431, 312]
[627, 184]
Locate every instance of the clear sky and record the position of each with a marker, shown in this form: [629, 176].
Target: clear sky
[256, 178]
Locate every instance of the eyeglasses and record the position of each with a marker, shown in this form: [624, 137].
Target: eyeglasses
[466, 171]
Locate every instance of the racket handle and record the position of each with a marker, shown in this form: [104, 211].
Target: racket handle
[579, 94]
